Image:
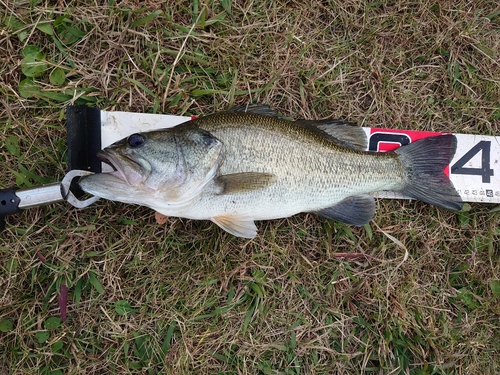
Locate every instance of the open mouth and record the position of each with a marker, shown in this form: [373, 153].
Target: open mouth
[113, 162]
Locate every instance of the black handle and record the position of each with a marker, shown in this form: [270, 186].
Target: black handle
[9, 204]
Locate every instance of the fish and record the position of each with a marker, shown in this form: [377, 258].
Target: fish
[248, 164]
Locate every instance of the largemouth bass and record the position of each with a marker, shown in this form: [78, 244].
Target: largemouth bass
[249, 164]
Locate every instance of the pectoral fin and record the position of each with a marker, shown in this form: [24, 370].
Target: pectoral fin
[246, 181]
[357, 210]
[239, 226]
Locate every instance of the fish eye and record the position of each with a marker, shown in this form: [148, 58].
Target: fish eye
[135, 140]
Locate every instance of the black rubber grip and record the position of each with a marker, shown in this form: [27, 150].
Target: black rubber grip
[9, 204]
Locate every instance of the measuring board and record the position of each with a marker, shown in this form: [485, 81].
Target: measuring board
[474, 170]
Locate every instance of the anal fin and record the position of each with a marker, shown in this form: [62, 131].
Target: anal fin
[237, 225]
[356, 210]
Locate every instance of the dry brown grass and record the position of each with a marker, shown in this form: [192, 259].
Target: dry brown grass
[202, 301]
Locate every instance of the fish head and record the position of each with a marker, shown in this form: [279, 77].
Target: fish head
[173, 163]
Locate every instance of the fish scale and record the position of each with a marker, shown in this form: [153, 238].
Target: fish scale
[330, 172]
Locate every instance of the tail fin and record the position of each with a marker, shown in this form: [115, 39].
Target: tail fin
[425, 161]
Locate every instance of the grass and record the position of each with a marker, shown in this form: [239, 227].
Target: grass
[417, 291]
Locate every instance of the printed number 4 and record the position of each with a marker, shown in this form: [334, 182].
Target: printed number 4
[485, 172]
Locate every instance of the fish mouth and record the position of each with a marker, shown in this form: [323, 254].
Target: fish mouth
[114, 162]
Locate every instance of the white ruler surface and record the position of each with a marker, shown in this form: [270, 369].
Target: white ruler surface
[474, 171]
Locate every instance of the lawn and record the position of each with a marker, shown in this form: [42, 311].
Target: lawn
[416, 291]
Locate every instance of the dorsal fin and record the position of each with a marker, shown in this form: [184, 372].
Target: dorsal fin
[258, 108]
[339, 131]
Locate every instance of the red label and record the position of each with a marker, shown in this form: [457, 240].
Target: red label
[412, 136]
[384, 140]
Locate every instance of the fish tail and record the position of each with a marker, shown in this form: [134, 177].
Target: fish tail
[425, 161]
